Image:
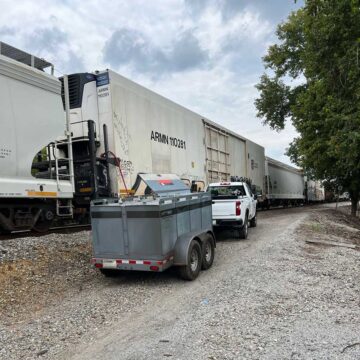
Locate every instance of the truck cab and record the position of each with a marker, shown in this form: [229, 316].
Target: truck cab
[234, 206]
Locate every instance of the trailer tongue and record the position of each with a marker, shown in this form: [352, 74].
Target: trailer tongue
[161, 226]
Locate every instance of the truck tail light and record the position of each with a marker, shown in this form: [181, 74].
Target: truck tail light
[238, 208]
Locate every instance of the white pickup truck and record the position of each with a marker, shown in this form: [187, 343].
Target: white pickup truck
[234, 205]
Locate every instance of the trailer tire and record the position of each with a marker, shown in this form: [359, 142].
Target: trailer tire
[191, 270]
[208, 252]
[109, 272]
[243, 232]
[253, 221]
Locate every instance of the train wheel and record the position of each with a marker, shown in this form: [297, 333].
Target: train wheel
[42, 225]
[45, 221]
[4, 232]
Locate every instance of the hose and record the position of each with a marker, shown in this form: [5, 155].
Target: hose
[118, 164]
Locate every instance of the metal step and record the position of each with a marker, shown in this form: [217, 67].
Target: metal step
[68, 207]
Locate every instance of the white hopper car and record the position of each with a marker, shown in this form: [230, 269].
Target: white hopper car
[284, 184]
[315, 191]
[31, 116]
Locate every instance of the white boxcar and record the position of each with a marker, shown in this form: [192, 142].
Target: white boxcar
[284, 184]
[152, 134]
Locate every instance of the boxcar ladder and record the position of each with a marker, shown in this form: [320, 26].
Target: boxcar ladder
[65, 207]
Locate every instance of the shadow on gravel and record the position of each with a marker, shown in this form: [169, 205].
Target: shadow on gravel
[227, 235]
[145, 278]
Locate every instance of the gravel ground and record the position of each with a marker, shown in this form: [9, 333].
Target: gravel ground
[270, 297]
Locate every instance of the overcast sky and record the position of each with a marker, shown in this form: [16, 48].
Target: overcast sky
[203, 54]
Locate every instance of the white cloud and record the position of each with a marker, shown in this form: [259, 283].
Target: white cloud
[212, 69]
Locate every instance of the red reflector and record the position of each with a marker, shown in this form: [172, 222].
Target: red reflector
[154, 268]
[119, 261]
[98, 265]
[165, 182]
[146, 262]
[159, 262]
[238, 208]
[132, 261]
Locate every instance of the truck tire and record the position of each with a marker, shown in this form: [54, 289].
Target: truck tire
[191, 270]
[109, 272]
[253, 222]
[243, 232]
[208, 252]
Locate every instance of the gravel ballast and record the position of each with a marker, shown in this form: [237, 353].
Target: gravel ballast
[272, 296]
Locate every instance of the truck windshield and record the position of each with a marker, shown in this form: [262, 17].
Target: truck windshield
[227, 192]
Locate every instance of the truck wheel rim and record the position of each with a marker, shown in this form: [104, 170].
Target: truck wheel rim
[208, 252]
[194, 260]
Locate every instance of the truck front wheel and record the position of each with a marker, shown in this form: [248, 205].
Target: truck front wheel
[253, 221]
[194, 260]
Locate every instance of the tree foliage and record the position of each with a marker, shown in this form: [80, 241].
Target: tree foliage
[315, 82]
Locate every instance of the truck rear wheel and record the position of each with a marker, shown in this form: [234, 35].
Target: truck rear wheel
[194, 260]
[208, 252]
[243, 232]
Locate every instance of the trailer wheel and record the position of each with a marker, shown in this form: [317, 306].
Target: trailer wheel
[109, 272]
[191, 270]
[208, 252]
[243, 232]
[253, 222]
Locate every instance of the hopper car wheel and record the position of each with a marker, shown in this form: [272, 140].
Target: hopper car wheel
[191, 270]
[208, 252]
[42, 225]
[45, 221]
[243, 232]
[253, 222]
[4, 232]
[109, 272]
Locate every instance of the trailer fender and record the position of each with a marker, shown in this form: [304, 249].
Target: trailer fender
[183, 243]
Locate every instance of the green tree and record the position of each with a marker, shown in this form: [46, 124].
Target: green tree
[315, 83]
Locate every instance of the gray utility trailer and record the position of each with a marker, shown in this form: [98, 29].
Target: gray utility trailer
[162, 225]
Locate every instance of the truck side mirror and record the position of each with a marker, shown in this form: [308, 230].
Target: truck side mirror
[255, 196]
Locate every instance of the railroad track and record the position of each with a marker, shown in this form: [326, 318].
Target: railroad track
[61, 229]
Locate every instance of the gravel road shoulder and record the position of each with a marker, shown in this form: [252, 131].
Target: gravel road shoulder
[270, 297]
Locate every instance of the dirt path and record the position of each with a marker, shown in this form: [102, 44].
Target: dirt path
[270, 297]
